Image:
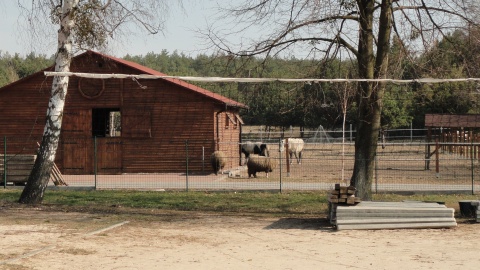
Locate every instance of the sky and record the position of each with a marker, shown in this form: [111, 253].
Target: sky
[179, 34]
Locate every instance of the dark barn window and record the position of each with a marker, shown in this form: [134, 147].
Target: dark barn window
[106, 122]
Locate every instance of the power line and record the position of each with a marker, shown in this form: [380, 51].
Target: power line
[252, 80]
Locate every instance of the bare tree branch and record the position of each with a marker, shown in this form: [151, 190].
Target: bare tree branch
[362, 28]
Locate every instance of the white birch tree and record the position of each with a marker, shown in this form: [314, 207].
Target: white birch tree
[81, 24]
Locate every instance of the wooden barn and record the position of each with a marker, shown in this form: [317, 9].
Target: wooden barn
[123, 125]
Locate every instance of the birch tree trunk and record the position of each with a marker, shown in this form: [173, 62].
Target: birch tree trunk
[38, 180]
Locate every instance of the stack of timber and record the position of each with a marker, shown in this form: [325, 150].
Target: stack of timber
[56, 176]
[394, 215]
[20, 166]
[341, 195]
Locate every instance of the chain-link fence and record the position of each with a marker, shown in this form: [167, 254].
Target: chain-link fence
[401, 165]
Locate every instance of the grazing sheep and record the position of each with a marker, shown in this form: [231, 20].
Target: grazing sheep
[258, 163]
[257, 148]
[218, 161]
[295, 147]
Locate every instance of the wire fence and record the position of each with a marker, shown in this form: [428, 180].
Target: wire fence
[400, 166]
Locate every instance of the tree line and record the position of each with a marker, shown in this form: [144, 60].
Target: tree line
[309, 105]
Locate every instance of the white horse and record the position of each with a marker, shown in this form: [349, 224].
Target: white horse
[295, 147]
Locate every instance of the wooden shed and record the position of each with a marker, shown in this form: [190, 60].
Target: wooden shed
[452, 133]
[454, 128]
[452, 121]
[123, 125]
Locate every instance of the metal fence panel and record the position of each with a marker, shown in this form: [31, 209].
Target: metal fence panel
[400, 166]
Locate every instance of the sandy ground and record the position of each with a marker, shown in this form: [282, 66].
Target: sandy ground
[37, 238]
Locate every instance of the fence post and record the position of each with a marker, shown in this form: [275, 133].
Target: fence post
[186, 167]
[351, 133]
[203, 159]
[95, 160]
[376, 174]
[4, 161]
[280, 160]
[472, 163]
[437, 159]
[287, 156]
[411, 132]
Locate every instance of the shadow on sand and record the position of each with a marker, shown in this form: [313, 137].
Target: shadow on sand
[301, 224]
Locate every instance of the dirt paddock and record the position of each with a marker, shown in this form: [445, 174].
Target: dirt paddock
[48, 238]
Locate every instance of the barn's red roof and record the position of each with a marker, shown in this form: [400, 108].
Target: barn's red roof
[189, 86]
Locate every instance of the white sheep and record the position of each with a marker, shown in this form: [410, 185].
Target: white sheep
[258, 163]
[218, 161]
[295, 147]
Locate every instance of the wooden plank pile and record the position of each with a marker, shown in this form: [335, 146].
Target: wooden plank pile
[393, 215]
[19, 167]
[57, 177]
[341, 195]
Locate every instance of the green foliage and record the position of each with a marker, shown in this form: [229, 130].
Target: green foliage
[452, 57]
[397, 105]
[448, 98]
[15, 67]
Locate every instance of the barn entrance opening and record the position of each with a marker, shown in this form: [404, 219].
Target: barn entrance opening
[106, 122]
[106, 128]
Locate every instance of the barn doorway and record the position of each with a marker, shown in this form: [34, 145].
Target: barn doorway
[106, 128]
[106, 122]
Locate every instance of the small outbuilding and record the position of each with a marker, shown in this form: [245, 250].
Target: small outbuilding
[123, 125]
[453, 128]
[452, 121]
[452, 133]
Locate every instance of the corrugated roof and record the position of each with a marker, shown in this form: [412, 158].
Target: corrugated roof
[452, 120]
[149, 71]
